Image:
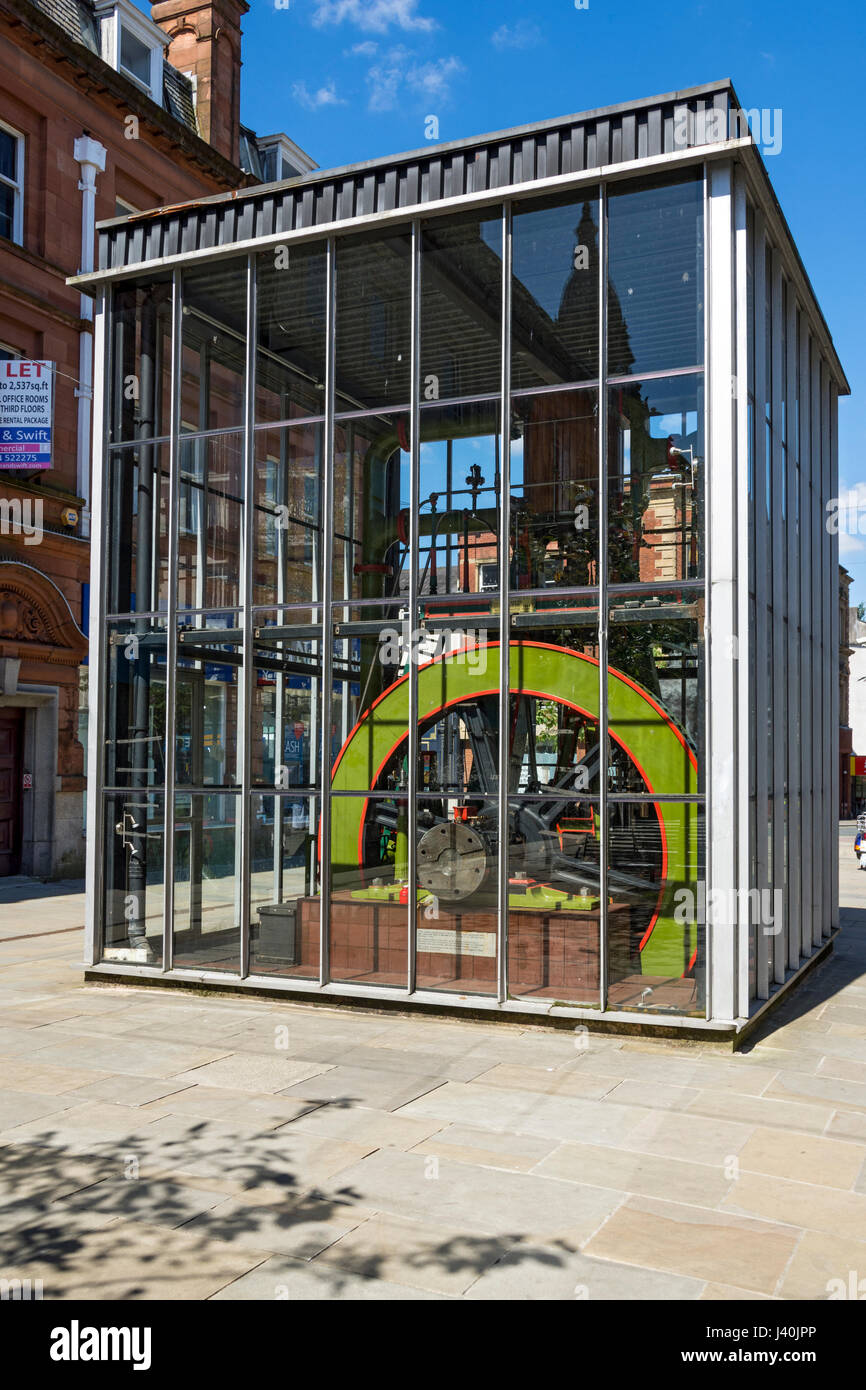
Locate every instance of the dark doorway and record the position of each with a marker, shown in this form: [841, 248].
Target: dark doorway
[11, 728]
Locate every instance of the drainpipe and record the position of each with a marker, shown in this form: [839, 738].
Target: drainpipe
[90, 155]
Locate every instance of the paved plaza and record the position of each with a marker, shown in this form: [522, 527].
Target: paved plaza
[164, 1145]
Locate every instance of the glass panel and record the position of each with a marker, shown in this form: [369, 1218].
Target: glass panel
[208, 884]
[284, 886]
[554, 490]
[373, 331]
[371, 649]
[655, 691]
[371, 500]
[554, 683]
[286, 716]
[291, 292]
[210, 661]
[461, 306]
[459, 488]
[655, 275]
[137, 532]
[210, 521]
[369, 890]
[134, 56]
[457, 896]
[8, 155]
[133, 883]
[656, 480]
[554, 313]
[656, 907]
[214, 346]
[554, 899]
[140, 405]
[7, 211]
[287, 550]
[135, 699]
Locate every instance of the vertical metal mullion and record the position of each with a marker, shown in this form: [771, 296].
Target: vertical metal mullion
[171, 643]
[245, 703]
[327, 516]
[760, 637]
[414, 517]
[604, 759]
[504, 607]
[103, 364]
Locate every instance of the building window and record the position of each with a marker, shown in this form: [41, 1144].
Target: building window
[11, 184]
[132, 44]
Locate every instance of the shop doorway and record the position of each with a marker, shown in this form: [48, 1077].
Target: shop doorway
[11, 729]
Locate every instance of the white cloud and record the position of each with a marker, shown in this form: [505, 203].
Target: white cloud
[373, 16]
[368, 49]
[324, 96]
[523, 34]
[397, 75]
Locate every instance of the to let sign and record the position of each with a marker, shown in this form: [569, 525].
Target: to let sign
[26, 403]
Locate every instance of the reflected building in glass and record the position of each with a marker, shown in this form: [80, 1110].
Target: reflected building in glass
[462, 630]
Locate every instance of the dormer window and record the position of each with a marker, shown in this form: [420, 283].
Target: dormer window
[281, 158]
[132, 44]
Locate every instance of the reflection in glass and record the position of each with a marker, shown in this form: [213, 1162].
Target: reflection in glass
[657, 914]
[291, 286]
[461, 307]
[135, 696]
[207, 896]
[369, 890]
[655, 275]
[287, 548]
[133, 877]
[656, 691]
[210, 661]
[140, 404]
[214, 346]
[554, 482]
[656, 480]
[554, 315]
[373, 328]
[210, 521]
[457, 895]
[285, 737]
[554, 898]
[137, 531]
[284, 886]
[371, 500]
[459, 490]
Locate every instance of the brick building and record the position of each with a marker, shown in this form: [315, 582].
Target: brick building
[104, 112]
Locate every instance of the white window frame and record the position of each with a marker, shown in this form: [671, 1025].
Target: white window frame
[18, 185]
[116, 15]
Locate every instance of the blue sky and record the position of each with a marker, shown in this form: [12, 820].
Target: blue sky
[355, 79]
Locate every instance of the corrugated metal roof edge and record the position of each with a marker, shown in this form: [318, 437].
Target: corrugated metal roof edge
[437, 151]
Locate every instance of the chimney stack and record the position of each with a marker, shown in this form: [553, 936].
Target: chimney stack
[206, 45]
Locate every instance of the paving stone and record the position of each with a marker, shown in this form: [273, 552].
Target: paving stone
[302, 1227]
[295, 1281]
[645, 1174]
[800, 1204]
[702, 1244]
[542, 1272]
[517, 1153]
[244, 1072]
[376, 1090]
[525, 1112]
[480, 1201]
[363, 1125]
[824, 1267]
[805, 1158]
[404, 1251]
[553, 1081]
[19, 1107]
[158, 1201]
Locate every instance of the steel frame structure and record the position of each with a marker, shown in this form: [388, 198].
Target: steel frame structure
[768, 484]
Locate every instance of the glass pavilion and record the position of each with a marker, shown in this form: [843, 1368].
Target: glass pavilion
[464, 616]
